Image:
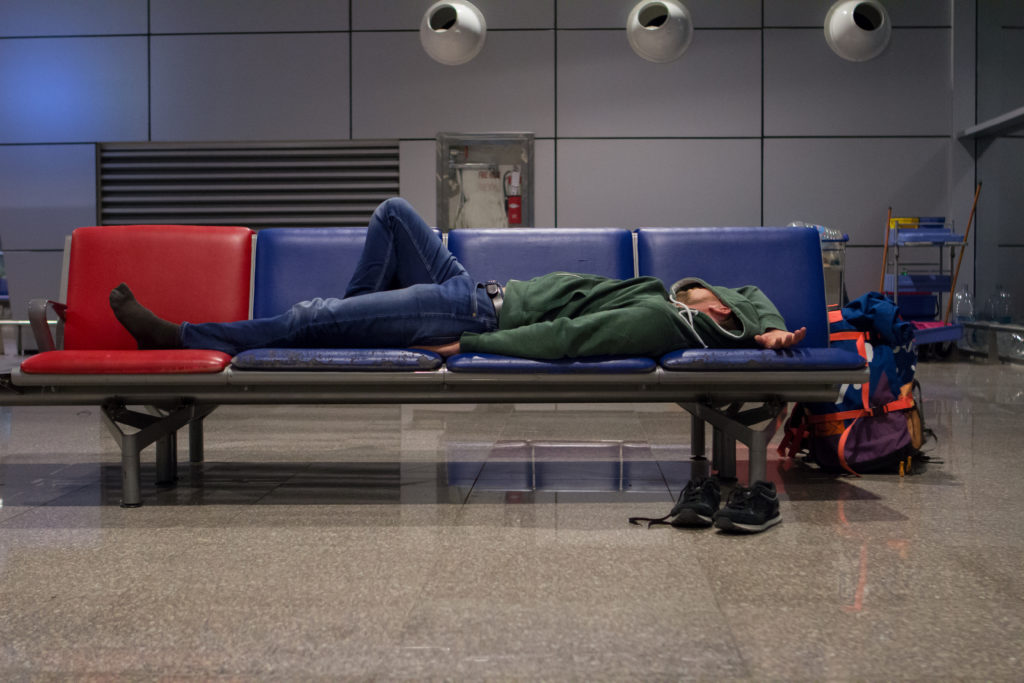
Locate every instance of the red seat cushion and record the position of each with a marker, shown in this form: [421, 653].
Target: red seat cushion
[180, 272]
[126, 362]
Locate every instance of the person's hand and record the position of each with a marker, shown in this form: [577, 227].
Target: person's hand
[444, 350]
[780, 339]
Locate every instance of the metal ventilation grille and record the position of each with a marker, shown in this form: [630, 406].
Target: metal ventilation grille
[258, 185]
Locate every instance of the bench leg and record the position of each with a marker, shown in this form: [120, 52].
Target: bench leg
[151, 429]
[735, 424]
[195, 441]
[724, 458]
[195, 434]
[131, 478]
[167, 459]
[697, 446]
[196, 444]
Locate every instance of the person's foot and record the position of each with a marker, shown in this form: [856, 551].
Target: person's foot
[697, 504]
[150, 331]
[750, 510]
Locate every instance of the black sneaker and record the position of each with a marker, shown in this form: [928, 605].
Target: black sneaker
[696, 506]
[750, 510]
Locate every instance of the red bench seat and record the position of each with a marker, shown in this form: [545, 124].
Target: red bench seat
[180, 272]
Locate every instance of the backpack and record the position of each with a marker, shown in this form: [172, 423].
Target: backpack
[874, 427]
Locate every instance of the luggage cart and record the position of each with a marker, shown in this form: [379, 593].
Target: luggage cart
[916, 273]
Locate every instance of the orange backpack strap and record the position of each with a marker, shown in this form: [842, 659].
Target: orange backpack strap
[902, 403]
[862, 349]
[841, 451]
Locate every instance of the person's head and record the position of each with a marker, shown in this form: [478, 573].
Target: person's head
[705, 301]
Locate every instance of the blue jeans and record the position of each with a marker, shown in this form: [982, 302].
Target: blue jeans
[407, 290]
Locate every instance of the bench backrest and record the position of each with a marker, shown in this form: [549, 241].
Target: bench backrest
[496, 254]
[299, 264]
[784, 262]
[181, 272]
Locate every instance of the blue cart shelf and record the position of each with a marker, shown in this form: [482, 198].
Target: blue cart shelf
[917, 277]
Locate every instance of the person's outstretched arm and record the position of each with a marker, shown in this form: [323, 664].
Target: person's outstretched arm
[780, 339]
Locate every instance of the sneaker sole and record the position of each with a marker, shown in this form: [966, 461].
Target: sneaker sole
[692, 518]
[728, 524]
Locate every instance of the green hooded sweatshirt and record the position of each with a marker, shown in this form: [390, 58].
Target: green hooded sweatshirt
[568, 315]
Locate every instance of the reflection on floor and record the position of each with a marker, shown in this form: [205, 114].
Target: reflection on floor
[491, 541]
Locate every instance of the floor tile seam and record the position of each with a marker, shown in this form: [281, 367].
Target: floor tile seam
[52, 503]
[5, 523]
[723, 617]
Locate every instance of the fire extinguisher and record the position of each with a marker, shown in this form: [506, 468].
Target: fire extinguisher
[513, 197]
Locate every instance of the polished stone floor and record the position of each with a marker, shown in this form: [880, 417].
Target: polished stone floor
[491, 542]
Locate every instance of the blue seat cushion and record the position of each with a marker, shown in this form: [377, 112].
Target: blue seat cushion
[785, 263]
[486, 362]
[299, 264]
[762, 359]
[337, 359]
[521, 254]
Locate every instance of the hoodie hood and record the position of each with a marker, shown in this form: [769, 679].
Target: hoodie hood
[752, 319]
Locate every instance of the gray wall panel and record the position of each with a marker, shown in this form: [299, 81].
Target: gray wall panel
[398, 15]
[250, 87]
[863, 269]
[679, 143]
[613, 13]
[605, 90]
[32, 275]
[544, 186]
[205, 16]
[1001, 170]
[812, 12]
[636, 183]
[398, 91]
[1000, 227]
[849, 184]
[1010, 276]
[47, 191]
[811, 91]
[417, 177]
[1001, 84]
[71, 17]
[72, 89]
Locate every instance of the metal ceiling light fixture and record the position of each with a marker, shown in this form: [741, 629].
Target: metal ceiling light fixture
[858, 30]
[659, 30]
[453, 32]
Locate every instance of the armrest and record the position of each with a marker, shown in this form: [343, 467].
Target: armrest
[37, 320]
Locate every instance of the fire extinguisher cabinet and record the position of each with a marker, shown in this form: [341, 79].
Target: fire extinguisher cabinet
[484, 180]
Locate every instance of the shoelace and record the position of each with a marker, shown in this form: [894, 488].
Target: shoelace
[691, 493]
[739, 496]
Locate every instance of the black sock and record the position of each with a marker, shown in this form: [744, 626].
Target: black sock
[149, 331]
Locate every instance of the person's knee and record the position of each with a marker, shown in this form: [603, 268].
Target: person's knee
[306, 312]
[395, 206]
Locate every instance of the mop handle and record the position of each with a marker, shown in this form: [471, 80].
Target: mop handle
[885, 254]
[956, 274]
